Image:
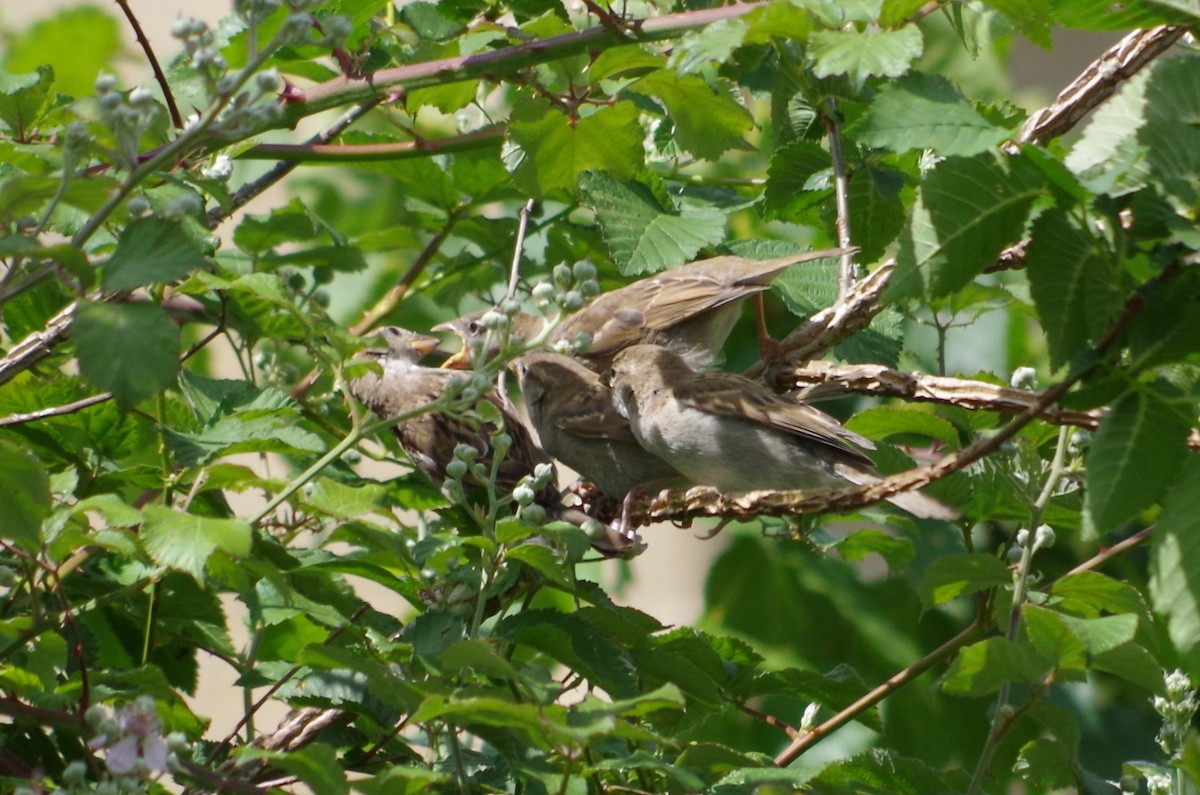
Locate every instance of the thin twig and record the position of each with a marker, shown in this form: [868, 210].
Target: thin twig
[250, 190]
[363, 153]
[514, 271]
[841, 185]
[877, 694]
[159, 77]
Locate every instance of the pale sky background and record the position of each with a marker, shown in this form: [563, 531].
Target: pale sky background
[667, 580]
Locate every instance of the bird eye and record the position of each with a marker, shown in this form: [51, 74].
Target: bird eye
[475, 327]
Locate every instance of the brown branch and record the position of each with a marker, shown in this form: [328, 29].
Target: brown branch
[1108, 553]
[825, 379]
[54, 411]
[879, 693]
[827, 327]
[1098, 82]
[159, 77]
[37, 345]
[360, 153]
[505, 60]
[910, 673]
[704, 501]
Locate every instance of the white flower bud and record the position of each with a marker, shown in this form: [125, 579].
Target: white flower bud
[104, 84]
[267, 81]
[1024, 378]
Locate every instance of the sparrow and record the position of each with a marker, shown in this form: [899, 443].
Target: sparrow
[429, 439]
[576, 422]
[690, 309]
[726, 431]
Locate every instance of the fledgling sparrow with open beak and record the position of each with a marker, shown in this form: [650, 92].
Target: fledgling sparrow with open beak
[430, 439]
[725, 431]
[690, 309]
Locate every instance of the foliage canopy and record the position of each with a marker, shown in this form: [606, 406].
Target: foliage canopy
[175, 436]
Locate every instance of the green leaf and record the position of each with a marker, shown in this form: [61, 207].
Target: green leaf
[984, 667]
[799, 179]
[897, 552]
[1175, 561]
[1101, 635]
[968, 211]
[23, 98]
[1090, 592]
[872, 53]
[707, 122]
[922, 111]
[185, 541]
[78, 43]
[883, 422]
[1108, 158]
[316, 765]
[543, 560]
[642, 236]
[25, 495]
[291, 223]
[883, 770]
[952, 576]
[1098, 15]
[1046, 764]
[1073, 282]
[343, 501]
[1134, 664]
[1052, 637]
[573, 641]
[1169, 135]
[877, 212]
[554, 150]
[714, 43]
[1134, 457]
[623, 62]
[151, 251]
[131, 350]
[1165, 330]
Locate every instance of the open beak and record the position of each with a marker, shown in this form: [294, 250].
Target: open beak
[462, 359]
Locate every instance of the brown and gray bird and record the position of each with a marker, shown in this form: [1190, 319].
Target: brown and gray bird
[726, 431]
[429, 439]
[690, 309]
[576, 422]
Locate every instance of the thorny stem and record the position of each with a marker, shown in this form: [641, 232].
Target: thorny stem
[159, 77]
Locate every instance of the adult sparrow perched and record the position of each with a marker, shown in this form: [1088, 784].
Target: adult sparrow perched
[576, 422]
[690, 309]
[726, 431]
[429, 439]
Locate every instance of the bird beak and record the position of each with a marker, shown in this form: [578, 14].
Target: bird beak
[424, 344]
[462, 359]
